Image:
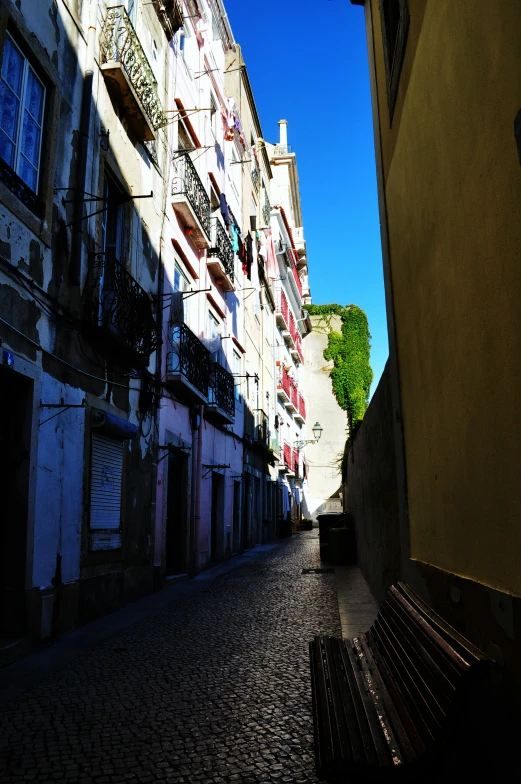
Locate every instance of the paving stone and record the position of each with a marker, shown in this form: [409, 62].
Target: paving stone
[214, 688]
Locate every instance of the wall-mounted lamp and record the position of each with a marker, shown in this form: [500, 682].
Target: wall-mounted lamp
[317, 432]
[104, 139]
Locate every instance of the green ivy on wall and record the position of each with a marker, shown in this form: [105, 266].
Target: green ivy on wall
[349, 350]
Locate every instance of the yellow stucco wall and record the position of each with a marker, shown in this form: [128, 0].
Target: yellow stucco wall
[453, 188]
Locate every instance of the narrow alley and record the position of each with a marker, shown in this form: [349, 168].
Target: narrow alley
[214, 687]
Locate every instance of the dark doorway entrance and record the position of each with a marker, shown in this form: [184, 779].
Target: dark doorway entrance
[236, 538]
[246, 509]
[217, 517]
[15, 447]
[176, 557]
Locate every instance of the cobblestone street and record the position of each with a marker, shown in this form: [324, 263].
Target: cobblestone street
[213, 688]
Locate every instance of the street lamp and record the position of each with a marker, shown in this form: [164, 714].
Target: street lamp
[317, 432]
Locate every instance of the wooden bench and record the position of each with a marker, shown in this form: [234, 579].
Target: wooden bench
[385, 703]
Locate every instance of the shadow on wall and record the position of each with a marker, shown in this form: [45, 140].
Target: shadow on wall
[371, 492]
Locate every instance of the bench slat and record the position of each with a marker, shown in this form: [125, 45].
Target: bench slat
[336, 694]
[437, 660]
[431, 673]
[402, 738]
[442, 643]
[379, 745]
[467, 650]
[377, 697]
[405, 687]
[353, 729]
[324, 755]
[397, 700]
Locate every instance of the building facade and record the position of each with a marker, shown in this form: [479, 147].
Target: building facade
[449, 185]
[138, 309]
[323, 491]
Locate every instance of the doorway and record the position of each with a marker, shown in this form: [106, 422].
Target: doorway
[177, 539]
[217, 517]
[16, 394]
[246, 512]
[236, 538]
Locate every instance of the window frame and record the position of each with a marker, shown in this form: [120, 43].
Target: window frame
[39, 221]
[394, 59]
[17, 141]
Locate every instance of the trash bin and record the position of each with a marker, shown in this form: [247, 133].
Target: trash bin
[341, 546]
[325, 522]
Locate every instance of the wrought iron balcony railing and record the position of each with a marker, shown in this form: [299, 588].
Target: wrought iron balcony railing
[221, 389]
[117, 308]
[120, 44]
[255, 178]
[189, 357]
[187, 183]
[266, 210]
[221, 247]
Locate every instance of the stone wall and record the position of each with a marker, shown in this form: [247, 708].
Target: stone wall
[371, 495]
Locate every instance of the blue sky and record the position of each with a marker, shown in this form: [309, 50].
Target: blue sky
[307, 63]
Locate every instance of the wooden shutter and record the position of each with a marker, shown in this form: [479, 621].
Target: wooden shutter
[105, 492]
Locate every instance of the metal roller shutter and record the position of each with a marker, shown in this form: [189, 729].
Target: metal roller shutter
[105, 492]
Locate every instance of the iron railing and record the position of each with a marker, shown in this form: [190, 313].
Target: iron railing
[120, 44]
[221, 389]
[189, 356]
[283, 149]
[118, 305]
[266, 210]
[293, 395]
[288, 456]
[255, 178]
[302, 407]
[282, 305]
[16, 185]
[285, 381]
[186, 181]
[221, 247]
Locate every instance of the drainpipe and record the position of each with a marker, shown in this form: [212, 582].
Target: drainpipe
[83, 150]
[196, 489]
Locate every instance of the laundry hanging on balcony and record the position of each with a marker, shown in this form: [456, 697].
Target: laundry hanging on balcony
[268, 251]
[224, 209]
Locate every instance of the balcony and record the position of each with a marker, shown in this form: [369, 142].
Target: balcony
[300, 414]
[190, 201]
[282, 311]
[220, 255]
[289, 461]
[284, 386]
[296, 351]
[221, 398]
[283, 149]
[170, 14]
[255, 178]
[118, 313]
[266, 210]
[187, 365]
[128, 74]
[289, 334]
[292, 403]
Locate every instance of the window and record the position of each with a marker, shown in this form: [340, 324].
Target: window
[395, 24]
[214, 337]
[113, 220]
[213, 115]
[22, 102]
[105, 492]
[181, 283]
[183, 137]
[237, 372]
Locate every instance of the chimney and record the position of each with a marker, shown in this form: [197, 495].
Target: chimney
[283, 130]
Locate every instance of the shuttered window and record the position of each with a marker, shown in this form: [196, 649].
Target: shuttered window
[105, 492]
